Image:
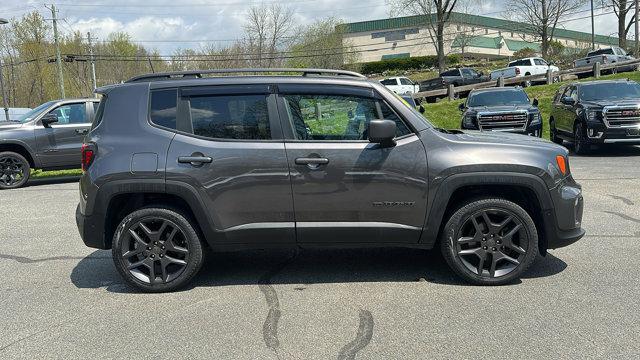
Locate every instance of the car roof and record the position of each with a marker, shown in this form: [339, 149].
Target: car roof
[593, 82]
[496, 89]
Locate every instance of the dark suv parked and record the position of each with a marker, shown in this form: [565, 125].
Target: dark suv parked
[178, 162]
[48, 137]
[596, 112]
[501, 109]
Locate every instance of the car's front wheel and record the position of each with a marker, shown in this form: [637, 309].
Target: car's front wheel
[580, 144]
[157, 249]
[489, 241]
[553, 133]
[14, 170]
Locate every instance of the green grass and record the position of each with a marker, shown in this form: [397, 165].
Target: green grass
[445, 113]
[39, 174]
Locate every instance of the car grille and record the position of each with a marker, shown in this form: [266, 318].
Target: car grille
[621, 117]
[507, 121]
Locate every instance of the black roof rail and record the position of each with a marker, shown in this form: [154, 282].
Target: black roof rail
[198, 73]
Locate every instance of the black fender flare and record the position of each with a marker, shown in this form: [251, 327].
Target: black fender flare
[440, 200]
[27, 148]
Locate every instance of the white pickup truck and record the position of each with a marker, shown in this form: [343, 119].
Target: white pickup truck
[400, 85]
[524, 67]
[605, 56]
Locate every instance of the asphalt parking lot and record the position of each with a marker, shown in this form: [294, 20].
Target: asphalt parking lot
[60, 299]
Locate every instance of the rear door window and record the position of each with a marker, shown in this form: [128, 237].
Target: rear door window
[389, 82]
[233, 117]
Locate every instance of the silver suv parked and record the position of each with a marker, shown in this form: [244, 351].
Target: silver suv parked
[48, 137]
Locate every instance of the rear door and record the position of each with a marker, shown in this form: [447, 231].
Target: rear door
[229, 149]
[346, 189]
[59, 145]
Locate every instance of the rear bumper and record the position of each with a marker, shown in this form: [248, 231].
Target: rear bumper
[90, 230]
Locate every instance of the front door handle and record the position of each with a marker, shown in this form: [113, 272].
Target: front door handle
[195, 160]
[312, 163]
[82, 131]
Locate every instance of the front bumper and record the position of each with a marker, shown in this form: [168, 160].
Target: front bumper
[600, 134]
[90, 229]
[564, 221]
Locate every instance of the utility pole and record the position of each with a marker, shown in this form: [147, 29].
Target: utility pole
[57, 44]
[4, 93]
[93, 63]
[637, 44]
[593, 29]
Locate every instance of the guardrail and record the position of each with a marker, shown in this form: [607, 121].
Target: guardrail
[596, 69]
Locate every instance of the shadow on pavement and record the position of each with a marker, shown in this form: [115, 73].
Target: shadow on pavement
[307, 267]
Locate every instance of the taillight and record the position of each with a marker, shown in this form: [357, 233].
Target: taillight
[88, 153]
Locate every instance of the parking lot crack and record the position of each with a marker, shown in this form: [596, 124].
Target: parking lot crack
[623, 199]
[26, 260]
[362, 339]
[624, 216]
[270, 325]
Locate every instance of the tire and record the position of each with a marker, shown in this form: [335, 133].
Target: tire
[553, 133]
[580, 144]
[501, 250]
[14, 170]
[170, 260]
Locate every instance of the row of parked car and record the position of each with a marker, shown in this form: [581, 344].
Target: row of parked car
[515, 69]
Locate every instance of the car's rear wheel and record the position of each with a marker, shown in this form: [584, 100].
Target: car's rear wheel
[157, 249]
[580, 144]
[14, 170]
[553, 133]
[490, 241]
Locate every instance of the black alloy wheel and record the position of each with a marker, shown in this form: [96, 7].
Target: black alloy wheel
[157, 249]
[490, 241]
[553, 133]
[14, 170]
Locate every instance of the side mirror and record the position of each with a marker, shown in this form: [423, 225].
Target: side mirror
[534, 102]
[49, 119]
[568, 100]
[382, 132]
[421, 109]
[461, 107]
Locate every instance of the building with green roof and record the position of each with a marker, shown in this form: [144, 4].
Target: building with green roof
[474, 35]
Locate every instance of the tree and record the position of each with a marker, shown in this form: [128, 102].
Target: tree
[542, 16]
[525, 53]
[320, 45]
[267, 30]
[622, 8]
[436, 13]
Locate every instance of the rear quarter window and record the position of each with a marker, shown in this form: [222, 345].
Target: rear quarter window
[163, 110]
[97, 119]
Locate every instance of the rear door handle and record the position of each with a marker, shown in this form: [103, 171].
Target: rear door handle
[195, 160]
[82, 131]
[312, 161]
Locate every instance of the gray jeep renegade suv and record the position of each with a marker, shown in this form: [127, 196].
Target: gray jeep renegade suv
[179, 162]
[48, 137]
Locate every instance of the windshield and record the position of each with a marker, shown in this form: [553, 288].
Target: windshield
[497, 98]
[33, 113]
[610, 91]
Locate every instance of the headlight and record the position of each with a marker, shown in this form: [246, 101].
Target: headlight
[592, 115]
[536, 118]
[467, 121]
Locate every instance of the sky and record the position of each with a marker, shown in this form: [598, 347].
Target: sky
[169, 25]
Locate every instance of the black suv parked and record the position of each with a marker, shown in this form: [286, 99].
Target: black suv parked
[48, 137]
[596, 112]
[178, 162]
[501, 109]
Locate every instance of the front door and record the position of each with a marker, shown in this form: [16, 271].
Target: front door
[230, 150]
[59, 145]
[346, 189]
[565, 123]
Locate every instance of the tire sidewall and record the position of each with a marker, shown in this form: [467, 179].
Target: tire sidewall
[451, 231]
[195, 257]
[26, 166]
[579, 145]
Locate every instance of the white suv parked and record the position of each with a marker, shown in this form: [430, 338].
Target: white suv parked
[400, 85]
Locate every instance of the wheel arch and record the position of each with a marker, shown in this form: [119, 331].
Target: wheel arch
[526, 190]
[20, 148]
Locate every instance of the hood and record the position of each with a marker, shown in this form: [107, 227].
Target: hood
[620, 102]
[501, 138]
[7, 125]
[502, 108]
